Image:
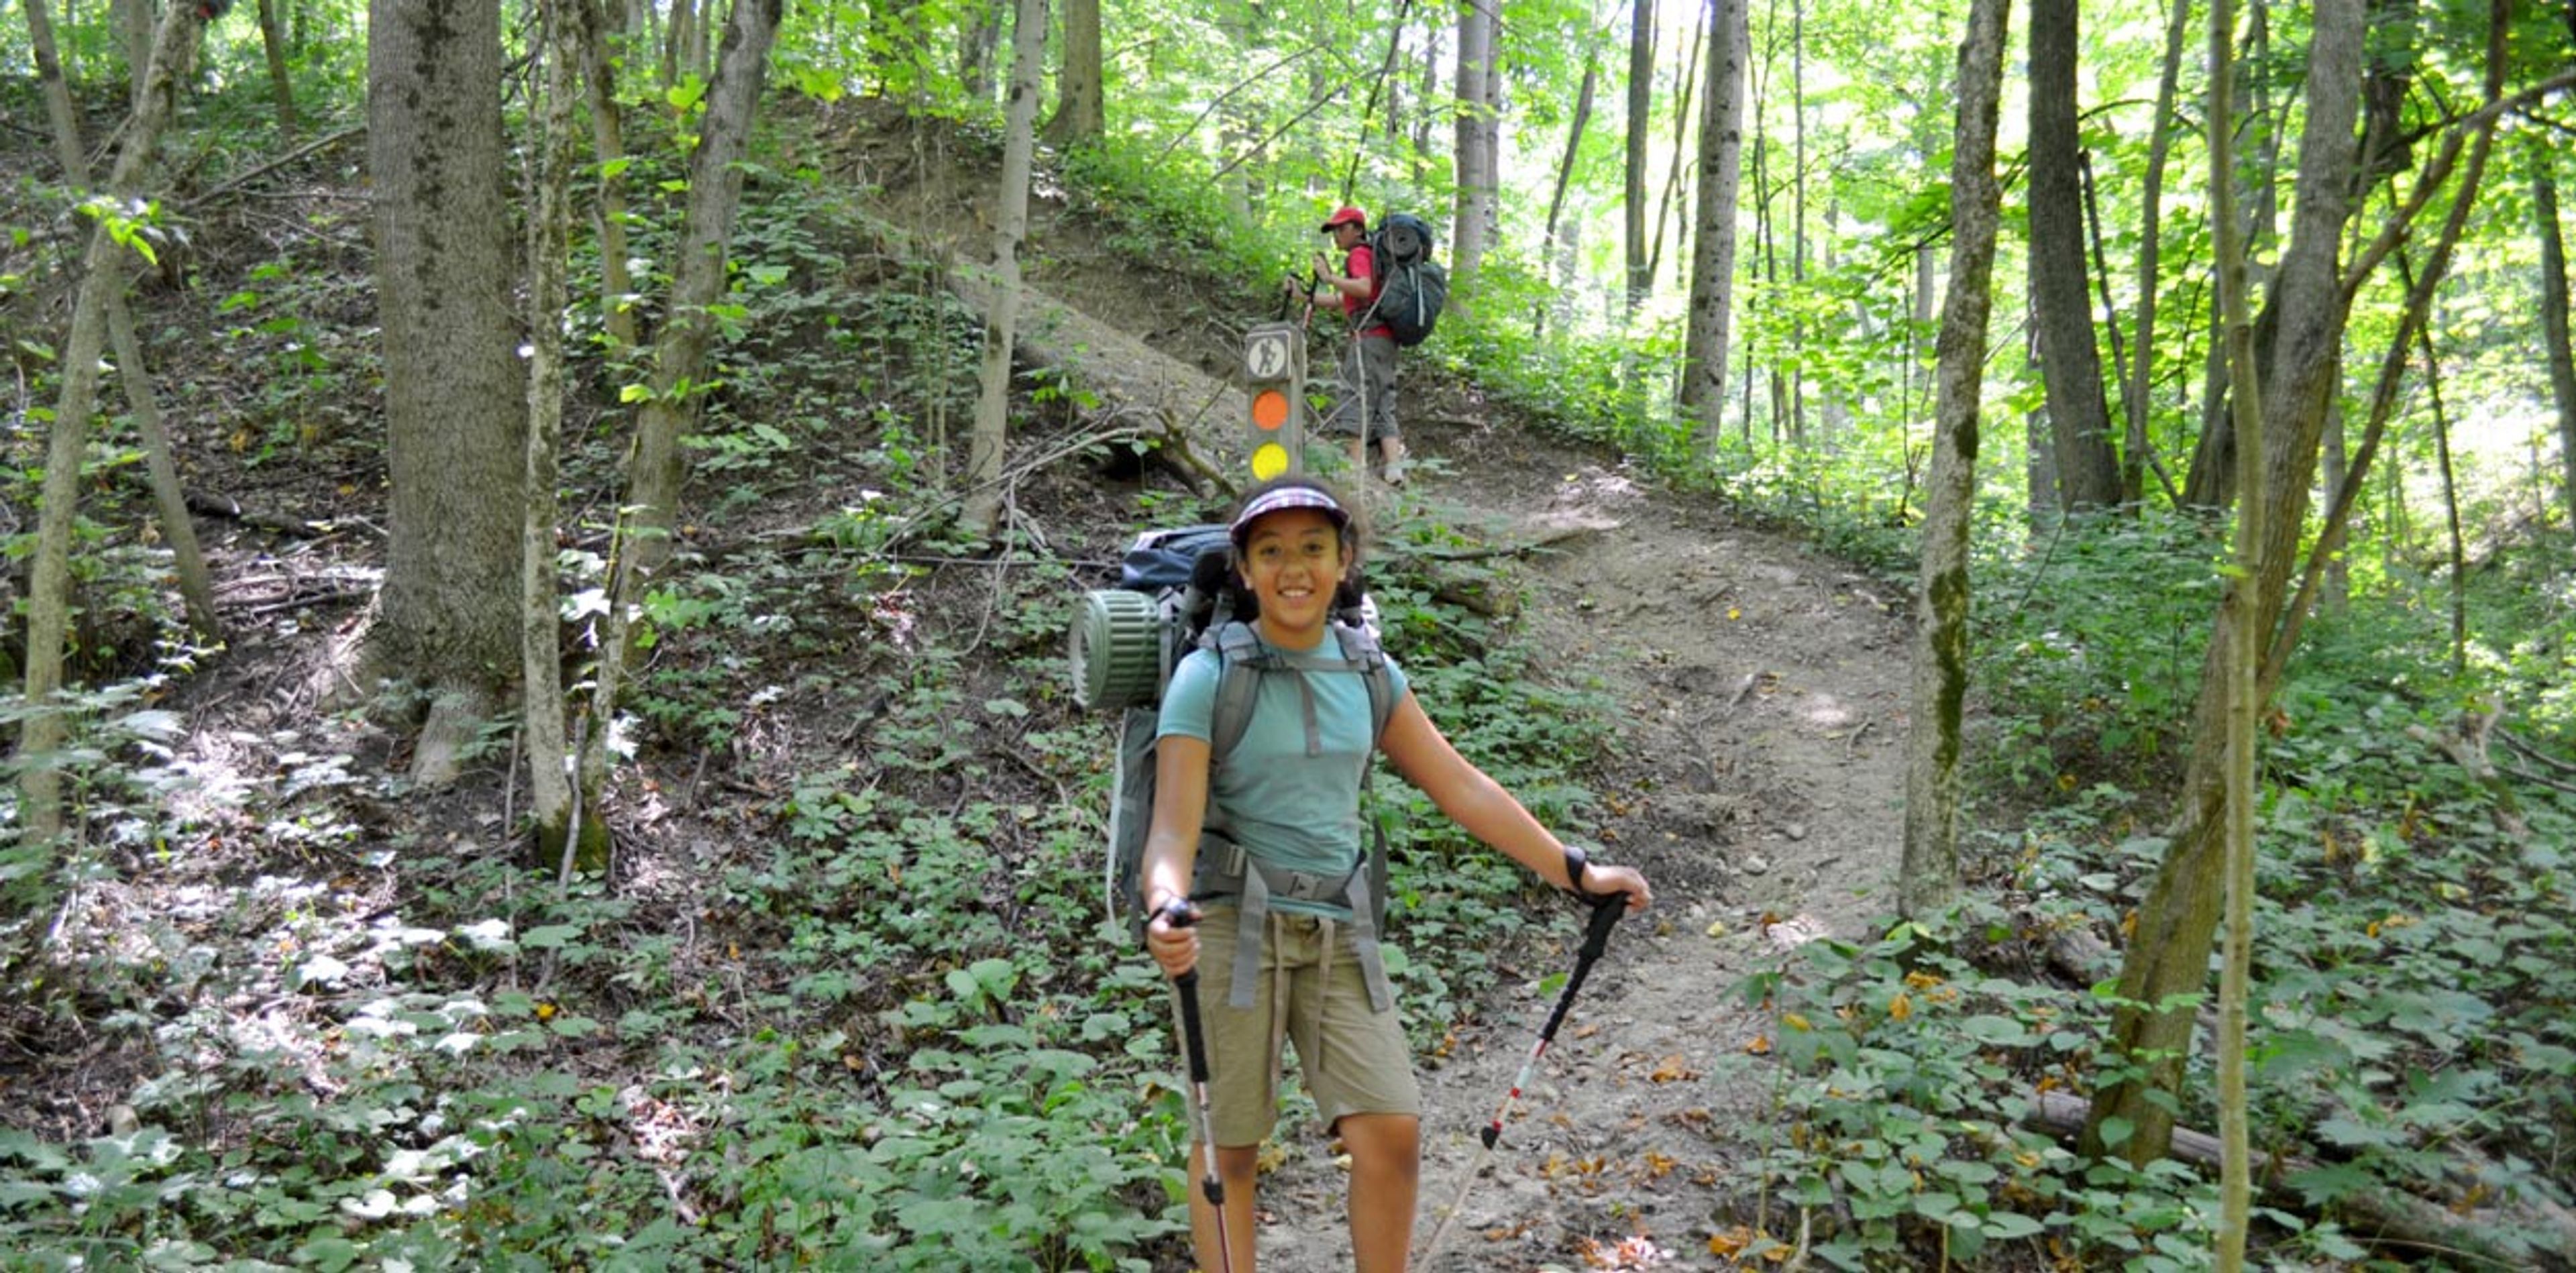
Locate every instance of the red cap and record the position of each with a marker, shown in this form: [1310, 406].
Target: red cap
[1348, 214]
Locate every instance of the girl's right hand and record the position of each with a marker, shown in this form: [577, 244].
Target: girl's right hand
[1174, 945]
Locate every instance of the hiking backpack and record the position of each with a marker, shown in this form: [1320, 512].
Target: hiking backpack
[1177, 593]
[1412, 287]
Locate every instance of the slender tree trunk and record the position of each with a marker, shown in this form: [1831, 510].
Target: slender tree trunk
[651, 511]
[698, 282]
[2088, 473]
[976, 44]
[2239, 618]
[2142, 375]
[608, 146]
[1789, 380]
[550, 804]
[2450, 488]
[1557, 252]
[169, 501]
[133, 22]
[983, 504]
[1683, 118]
[1721, 161]
[1079, 115]
[1424, 117]
[1641, 113]
[1479, 179]
[1929, 876]
[41, 737]
[2553, 313]
[281, 90]
[675, 37]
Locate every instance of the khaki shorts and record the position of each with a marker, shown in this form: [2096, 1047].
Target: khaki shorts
[1354, 1060]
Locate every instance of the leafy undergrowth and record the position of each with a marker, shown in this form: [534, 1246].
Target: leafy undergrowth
[2413, 1032]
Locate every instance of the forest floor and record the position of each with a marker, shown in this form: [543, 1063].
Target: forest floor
[1758, 690]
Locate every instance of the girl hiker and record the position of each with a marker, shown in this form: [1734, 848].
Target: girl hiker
[1265, 855]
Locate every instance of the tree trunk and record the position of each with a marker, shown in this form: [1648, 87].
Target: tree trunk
[1479, 178]
[1929, 876]
[1424, 115]
[41, 737]
[675, 37]
[2243, 668]
[1721, 166]
[2553, 313]
[1556, 251]
[976, 43]
[1788, 378]
[983, 499]
[1682, 119]
[1641, 113]
[608, 146]
[169, 501]
[281, 90]
[2088, 473]
[651, 509]
[454, 396]
[2142, 375]
[550, 805]
[133, 22]
[1079, 115]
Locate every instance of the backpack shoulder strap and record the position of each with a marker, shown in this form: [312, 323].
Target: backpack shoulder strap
[1360, 646]
[1240, 662]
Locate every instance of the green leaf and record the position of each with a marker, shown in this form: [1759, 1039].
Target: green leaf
[550, 937]
[2008, 1224]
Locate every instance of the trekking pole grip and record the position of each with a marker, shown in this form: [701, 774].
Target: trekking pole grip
[1606, 910]
[1196, 1038]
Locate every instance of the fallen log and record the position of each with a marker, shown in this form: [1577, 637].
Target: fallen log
[2379, 1214]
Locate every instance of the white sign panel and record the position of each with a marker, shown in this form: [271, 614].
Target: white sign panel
[1265, 354]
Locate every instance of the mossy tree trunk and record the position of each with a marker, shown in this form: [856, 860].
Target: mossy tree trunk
[1929, 876]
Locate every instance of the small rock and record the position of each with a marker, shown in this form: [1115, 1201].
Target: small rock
[1755, 864]
[1717, 928]
[1795, 830]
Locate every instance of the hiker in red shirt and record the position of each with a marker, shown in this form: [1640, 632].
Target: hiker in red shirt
[1364, 407]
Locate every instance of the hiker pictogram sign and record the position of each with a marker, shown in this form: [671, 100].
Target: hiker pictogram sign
[1274, 364]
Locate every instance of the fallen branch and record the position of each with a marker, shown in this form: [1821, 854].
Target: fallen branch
[2534, 754]
[231, 509]
[2379, 1214]
[243, 179]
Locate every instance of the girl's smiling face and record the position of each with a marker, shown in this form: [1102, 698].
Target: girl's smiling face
[1292, 561]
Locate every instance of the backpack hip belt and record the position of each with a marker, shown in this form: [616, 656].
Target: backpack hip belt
[1226, 870]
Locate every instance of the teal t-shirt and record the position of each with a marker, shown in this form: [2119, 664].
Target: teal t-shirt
[1292, 810]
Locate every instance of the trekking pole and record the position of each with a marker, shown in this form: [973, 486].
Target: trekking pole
[1606, 909]
[1182, 915]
